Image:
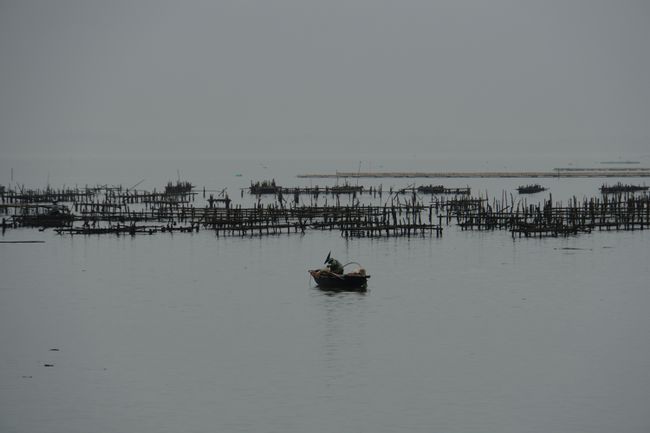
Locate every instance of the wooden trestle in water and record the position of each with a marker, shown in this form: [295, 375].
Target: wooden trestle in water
[113, 210]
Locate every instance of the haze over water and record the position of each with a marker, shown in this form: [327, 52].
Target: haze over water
[470, 332]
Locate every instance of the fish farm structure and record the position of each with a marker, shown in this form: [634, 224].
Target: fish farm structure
[411, 211]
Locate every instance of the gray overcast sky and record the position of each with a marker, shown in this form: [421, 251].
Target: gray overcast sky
[204, 77]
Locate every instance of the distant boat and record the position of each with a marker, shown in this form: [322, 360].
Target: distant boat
[440, 189]
[178, 188]
[619, 187]
[345, 189]
[55, 215]
[530, 189]
[264, 187]
[431, 189]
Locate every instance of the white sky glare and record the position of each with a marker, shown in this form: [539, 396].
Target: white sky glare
[286, 76]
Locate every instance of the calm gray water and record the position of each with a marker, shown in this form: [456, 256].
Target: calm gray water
[471, 332]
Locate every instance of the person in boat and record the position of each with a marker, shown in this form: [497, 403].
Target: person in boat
[334, 266]
[54, 209]
[58, 209]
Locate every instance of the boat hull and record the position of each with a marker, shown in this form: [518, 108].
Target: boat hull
[328, 280]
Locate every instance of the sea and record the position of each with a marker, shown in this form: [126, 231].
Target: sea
[193, 332]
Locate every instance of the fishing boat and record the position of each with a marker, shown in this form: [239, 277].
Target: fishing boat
[344, 189]
[531, 189]
[44, 215]
[178, 188]
[327, 279]
[264, 187]
[619, 187]
[440, 189]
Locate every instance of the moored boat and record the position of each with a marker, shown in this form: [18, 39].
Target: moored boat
[619, 188]
[178, 188]
[531, 189]
[43, 215]
[264, 187]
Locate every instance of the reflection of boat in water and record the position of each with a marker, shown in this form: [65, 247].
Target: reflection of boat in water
[329, 280]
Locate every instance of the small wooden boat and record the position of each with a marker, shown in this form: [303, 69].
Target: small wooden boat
[344, 189]
[264, 187]
[44, 215]
[619, 187]
[178, 188]
[531, 189]
[440, 189]
[328, 280]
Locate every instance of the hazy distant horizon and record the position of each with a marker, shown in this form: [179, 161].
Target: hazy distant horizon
[312, 78]
[354, 157]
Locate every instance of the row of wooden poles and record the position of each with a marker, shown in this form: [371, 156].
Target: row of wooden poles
[92, 196]
[621, 212]
[120, 195]
[96, 211]
[350, 221]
